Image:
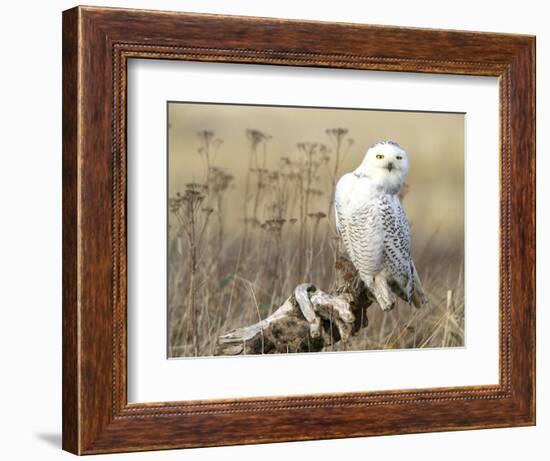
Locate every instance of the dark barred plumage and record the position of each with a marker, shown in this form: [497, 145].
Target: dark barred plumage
[376, 237]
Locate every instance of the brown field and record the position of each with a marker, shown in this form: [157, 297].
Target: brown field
[251, 217]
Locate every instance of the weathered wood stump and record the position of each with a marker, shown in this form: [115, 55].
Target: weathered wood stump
[308, 321]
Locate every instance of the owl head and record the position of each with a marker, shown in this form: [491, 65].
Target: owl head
[386, 163]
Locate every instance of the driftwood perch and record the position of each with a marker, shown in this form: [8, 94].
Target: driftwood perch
[308, 321]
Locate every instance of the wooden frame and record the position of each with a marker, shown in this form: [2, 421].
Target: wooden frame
[97, 43]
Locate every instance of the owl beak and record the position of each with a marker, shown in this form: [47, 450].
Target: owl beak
[389, 166]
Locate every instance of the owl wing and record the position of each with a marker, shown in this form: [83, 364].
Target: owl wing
[337, 218]
[343, 187]
[360, 227]
[397, 245]
[362, 235]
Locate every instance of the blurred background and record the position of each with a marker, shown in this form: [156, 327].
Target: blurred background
[251, 216]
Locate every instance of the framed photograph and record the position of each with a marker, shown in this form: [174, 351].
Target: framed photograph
[282, 230]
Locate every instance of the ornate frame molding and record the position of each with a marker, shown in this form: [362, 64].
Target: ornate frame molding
[97, 43]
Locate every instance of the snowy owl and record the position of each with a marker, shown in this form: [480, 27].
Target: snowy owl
[374, 228]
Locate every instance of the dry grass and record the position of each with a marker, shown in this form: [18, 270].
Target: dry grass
[222, 277]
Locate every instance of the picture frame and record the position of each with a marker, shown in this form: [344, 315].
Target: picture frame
[97, 45]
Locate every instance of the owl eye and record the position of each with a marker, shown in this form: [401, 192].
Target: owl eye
[399, 157]
[379, 156]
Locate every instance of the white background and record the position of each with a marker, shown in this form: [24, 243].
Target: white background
[30, 243]
[153, 378]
